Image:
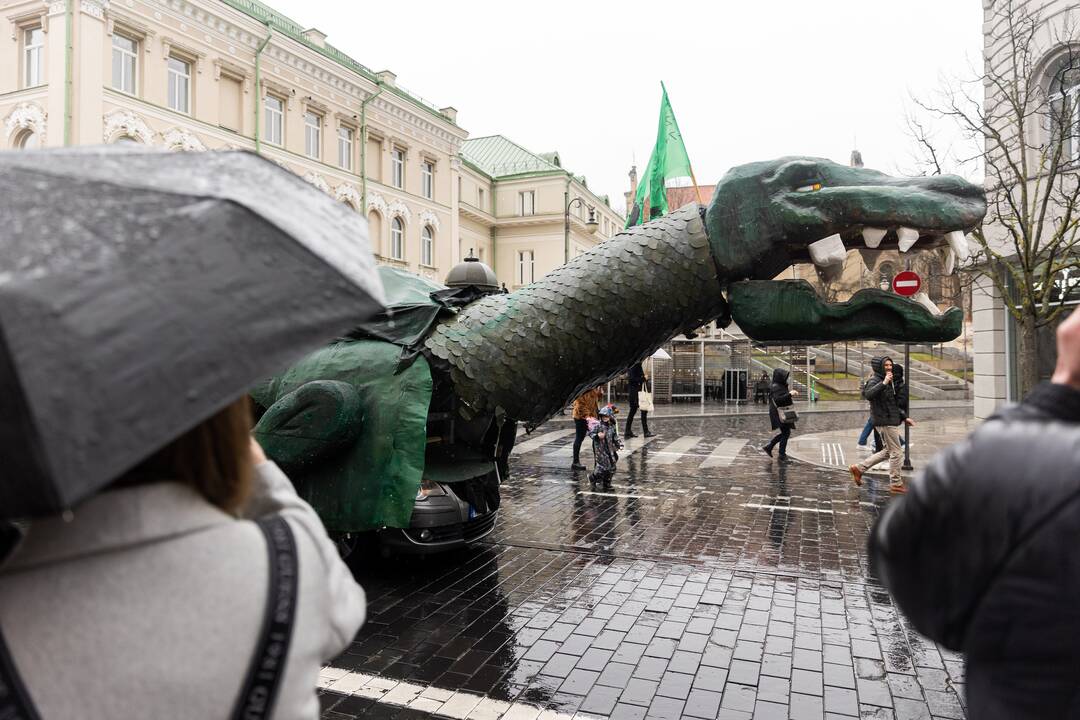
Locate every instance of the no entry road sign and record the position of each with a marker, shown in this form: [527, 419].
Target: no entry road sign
[906, 283]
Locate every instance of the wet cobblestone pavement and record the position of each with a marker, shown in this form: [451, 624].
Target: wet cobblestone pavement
[711, 582]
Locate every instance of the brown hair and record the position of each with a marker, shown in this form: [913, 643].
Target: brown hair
[214, 458]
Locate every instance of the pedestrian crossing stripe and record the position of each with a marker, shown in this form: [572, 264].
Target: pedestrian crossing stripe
[535, 443]
[725, 453]
[832, 454]
[674, 450]
[558, 446]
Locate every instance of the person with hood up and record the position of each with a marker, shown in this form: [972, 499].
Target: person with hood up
[980, 554]
[884, 396]
[606, 445]
[901, 400]
[780, 396]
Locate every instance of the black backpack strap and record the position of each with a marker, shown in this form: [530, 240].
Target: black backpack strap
[264, 677]
[15, 702]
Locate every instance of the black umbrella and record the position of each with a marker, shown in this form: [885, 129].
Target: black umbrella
[141, 291]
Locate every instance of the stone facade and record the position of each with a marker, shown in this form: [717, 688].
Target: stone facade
[181, 74]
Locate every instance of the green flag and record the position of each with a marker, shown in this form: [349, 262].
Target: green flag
[668, 160]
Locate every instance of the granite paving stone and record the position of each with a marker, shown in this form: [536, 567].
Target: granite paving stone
[687, 591]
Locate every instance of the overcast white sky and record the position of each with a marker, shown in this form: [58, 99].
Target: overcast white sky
[748, 80]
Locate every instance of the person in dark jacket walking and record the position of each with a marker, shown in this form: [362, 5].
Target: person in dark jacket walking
[901, 401]
[885, 410]
[981, 553]
[635, 381]
[780, 396]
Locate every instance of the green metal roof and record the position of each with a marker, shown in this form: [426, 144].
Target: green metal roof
[498, 156]
[291, 29]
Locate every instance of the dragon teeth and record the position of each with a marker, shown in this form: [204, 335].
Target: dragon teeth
[950, 261]
[872, 237]
[906, 238]
[828, 251]
[958, 244]
[923, 299]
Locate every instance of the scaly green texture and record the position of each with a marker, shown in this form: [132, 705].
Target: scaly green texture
[790, 309]
[527, 353]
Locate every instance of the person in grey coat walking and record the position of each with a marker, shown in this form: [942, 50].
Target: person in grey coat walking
[149, 598]
[888, 415]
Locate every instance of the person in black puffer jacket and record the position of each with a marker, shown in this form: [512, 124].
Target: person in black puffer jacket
[981, 553]
[902, 402]
[779, 396]
[883, 394]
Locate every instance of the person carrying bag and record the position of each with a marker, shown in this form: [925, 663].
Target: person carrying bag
[640, 399]
[782, 413]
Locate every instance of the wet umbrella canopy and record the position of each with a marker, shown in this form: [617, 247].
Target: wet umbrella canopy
[141, 291]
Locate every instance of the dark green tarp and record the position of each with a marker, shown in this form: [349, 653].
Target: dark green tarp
[411, 311]
[358, 464]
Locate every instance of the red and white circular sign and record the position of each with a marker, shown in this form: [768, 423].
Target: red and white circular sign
[906, 283]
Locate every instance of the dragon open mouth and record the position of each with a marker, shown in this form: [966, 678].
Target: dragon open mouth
[804, 210]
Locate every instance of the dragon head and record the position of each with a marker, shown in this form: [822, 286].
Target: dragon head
[768, 216]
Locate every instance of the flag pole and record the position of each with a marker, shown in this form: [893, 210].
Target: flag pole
[696, 188]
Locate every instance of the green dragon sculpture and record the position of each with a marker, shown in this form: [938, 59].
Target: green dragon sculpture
[447, 395]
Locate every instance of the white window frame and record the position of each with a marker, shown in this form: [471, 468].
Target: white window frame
[527, 208]
[526, 267]
[427, 246]
[175, 78]
[397, 238]
[397, 167]
[313, 134]
[33, 57]
[128, 58]
[345, 147]
[427, 179]
[274, 121]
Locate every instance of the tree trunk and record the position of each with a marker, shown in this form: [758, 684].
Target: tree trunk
[1027, 357]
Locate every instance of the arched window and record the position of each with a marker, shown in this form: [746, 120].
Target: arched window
[1064, 92]
[27, 140]
[375, 230]
[427, 246]
[397, 239]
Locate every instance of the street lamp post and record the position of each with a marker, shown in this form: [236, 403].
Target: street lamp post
[591, 224]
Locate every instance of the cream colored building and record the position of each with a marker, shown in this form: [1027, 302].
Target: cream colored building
[512, 206]
[210, 74]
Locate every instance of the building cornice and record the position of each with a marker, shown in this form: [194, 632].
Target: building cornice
[235, 27]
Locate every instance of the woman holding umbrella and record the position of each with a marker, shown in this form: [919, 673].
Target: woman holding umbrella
[169, 570]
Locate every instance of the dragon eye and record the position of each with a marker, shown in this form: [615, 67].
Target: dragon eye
[809, 188]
